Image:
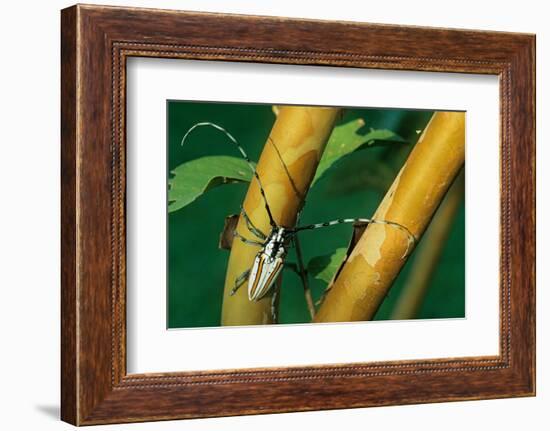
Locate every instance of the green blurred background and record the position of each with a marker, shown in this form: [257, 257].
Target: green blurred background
[353, 188]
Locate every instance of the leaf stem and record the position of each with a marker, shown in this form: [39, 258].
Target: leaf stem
[303, 275]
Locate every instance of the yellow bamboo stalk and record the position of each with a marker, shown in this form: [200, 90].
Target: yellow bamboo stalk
[299, 135]
[411, 201]
[428, 254]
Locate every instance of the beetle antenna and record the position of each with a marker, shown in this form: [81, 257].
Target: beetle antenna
[244, 156]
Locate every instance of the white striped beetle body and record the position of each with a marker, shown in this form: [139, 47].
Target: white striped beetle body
[267, 265]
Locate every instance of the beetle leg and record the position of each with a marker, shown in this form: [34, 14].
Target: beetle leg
[251, 226]
[246, 240]
[239, 282]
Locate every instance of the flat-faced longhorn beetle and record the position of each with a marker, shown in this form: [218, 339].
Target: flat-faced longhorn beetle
[274, 245]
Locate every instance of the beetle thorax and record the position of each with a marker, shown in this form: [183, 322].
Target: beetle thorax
[275, 244]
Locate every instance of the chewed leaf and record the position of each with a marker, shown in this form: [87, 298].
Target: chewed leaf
[324, 267]
[346, 138]
[191, 179]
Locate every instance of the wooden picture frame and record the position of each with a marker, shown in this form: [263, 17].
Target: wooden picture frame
[95, 43]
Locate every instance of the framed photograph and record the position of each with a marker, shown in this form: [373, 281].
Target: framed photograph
[269, 215]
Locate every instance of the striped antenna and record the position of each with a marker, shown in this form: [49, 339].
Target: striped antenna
[243, 154]
[411, 238]
[292, 183]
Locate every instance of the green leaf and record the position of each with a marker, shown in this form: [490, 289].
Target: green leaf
[193, 178]
[346, 139]
[324, 267]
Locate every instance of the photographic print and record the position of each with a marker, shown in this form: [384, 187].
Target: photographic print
[284, 214]
[300, 214]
